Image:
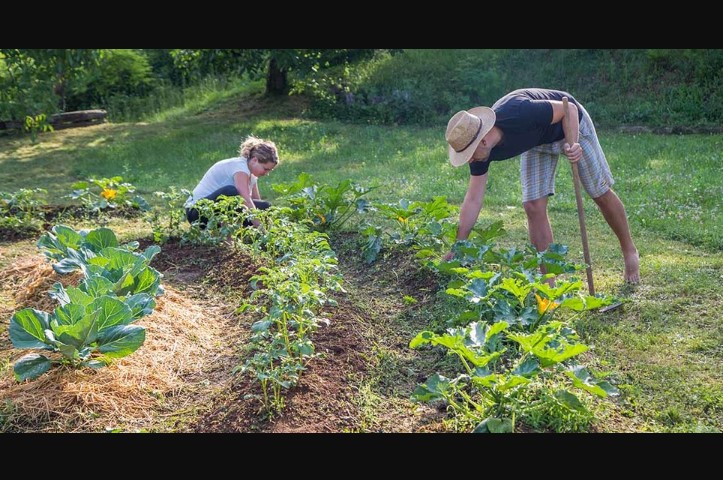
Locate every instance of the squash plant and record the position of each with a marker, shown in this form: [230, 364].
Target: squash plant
[99, 194]
[423, 226]
[327, 207]
[490, 391]
[509, 339]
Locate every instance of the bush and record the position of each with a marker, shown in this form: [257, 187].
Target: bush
[121, 72]
[416, 87]
[654, 87]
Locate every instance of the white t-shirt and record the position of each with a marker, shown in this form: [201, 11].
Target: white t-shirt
[221, 175]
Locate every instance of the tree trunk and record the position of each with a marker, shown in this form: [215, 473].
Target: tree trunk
[59, 90]
[276, 81]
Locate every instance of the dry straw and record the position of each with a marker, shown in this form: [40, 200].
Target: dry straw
[186, 342]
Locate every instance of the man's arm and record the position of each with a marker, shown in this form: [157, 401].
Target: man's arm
[574, 151]
[471, 205]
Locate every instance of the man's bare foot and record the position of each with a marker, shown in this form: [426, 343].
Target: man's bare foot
[632, 267]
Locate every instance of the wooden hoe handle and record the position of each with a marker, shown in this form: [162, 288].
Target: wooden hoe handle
[578, 197]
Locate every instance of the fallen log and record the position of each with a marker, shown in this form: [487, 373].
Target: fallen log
[59, 121]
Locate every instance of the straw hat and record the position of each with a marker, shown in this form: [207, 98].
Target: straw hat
[464, 132]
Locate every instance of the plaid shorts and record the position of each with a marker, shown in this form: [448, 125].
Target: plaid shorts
[538, 165]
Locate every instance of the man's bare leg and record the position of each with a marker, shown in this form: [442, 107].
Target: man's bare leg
[539, 228]
[538, 223]
[613, 211]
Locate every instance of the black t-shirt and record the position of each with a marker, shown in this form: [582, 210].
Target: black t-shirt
[524, 117]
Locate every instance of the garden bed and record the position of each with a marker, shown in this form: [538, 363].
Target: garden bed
[182, 380]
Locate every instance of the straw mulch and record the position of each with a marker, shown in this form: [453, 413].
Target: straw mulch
[186, 350]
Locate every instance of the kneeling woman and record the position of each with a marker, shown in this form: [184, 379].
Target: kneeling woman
[236, 176]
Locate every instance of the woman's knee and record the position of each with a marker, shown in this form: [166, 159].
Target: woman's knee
[228, 190]
[191, 215]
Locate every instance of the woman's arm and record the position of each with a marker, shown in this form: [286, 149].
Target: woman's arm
[241, 182]
[255, 194]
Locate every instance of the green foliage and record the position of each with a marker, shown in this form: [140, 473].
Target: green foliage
[22, 211]
[34, 125]
[91, 326]
[22, 93]
[119, 72]
[168, 221]
[274, 64]
[326, 207]
[660, 87]
[424, 226]
[416, 86]
[223, 217]
[549, 408]
[656, 87]
[34, 75]
[97, 253]
[100, 194]
[168, 100]
[290, 295]
[76, 331]
[508, 340]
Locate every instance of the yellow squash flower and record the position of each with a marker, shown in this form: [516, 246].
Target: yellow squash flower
[545, 304]
[108, 193]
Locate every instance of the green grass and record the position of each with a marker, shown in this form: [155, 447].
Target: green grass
[664, 347]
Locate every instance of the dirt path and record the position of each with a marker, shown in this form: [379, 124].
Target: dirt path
[395, 299]
[366, 373]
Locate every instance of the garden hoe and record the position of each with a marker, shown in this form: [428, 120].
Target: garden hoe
[570, 138]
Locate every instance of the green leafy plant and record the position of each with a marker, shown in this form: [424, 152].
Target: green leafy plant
[98, 195]
[168, 222]
[34, 125]
[491, 391]
[98, 254]
[22, 211]
[289, 294]
[327, 207]
[509, 340]
[92, 324]
[218, 220]
[77, 331]
[423, 226]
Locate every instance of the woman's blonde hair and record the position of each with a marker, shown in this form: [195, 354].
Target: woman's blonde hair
[263, 150]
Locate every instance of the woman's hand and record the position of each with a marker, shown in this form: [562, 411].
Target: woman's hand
[257, 224]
